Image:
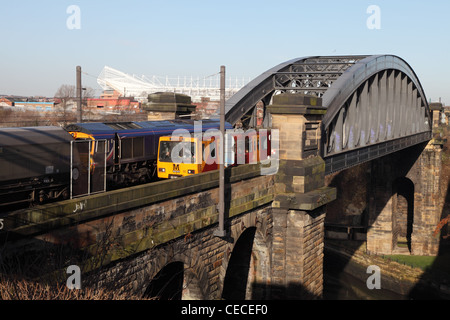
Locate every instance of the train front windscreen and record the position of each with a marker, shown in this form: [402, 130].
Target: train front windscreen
[177, 158]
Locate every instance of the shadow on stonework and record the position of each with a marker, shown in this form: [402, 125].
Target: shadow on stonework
[292, 291]
[435, 281]
[342, 280]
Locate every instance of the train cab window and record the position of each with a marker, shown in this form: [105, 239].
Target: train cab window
[164, 151]
[177, 152]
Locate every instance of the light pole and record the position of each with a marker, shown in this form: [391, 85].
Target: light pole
[220, 231]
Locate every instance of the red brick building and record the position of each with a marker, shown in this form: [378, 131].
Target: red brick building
[120, 103]
[6, 101]
[110, 94]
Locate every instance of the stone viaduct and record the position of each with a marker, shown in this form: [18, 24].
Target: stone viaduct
[157, 240]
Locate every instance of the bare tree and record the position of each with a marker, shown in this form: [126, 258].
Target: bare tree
[89, 92]
[65, 93]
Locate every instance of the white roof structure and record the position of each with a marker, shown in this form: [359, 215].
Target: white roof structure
[139, 87]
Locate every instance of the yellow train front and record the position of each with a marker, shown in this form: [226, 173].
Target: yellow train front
[183, 156]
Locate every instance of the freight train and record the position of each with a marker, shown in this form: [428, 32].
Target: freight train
[38, 164]
[34, 164]
[42, 164]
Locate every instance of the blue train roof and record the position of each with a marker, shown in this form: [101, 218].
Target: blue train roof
[137, 128]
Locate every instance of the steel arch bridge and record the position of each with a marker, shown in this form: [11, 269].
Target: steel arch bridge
[375, 105]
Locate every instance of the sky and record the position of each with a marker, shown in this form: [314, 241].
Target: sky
[44, 41]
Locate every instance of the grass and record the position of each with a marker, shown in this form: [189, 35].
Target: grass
[422, 262]
[440, 263]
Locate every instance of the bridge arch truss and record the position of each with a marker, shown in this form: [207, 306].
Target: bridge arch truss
[375, 104]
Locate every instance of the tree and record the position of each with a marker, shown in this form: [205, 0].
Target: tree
[65, 93]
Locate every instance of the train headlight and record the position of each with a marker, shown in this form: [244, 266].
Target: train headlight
[191, 171]
[162, 170]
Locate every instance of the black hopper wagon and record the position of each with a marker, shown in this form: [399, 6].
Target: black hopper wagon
[35, 164]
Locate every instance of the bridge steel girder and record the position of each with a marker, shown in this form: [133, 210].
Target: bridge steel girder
[377, 107]
[371, 102]
[312, 75]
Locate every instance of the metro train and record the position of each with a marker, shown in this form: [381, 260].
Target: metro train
[186, 155]
[37, 164]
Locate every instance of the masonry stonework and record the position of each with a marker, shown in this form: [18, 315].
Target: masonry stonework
[276, 222]
[420, 165]
[300, 198]
[204, 256]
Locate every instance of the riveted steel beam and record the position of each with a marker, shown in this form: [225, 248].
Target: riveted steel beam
[288, 76]
[354, 157]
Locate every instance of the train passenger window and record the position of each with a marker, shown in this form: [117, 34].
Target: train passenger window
[263, 142]
[212, 148]
[193, 151]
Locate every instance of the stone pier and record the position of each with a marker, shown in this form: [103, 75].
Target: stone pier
[299, 205]
[404, 202]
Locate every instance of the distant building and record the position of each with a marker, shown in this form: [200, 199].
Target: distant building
[5, 102]
[110, 94]
[207, 107]
[119, 103]
[38, 106]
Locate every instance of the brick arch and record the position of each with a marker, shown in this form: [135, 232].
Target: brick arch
[402, 213]
[247, 259]
[193, 269]
[167, 284]
[420, 167]
[235, 283]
